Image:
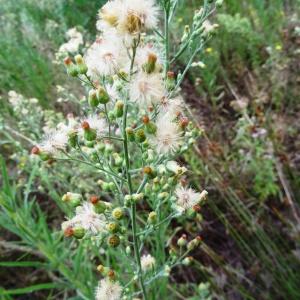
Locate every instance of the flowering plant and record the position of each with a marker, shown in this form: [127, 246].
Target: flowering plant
[132, 128]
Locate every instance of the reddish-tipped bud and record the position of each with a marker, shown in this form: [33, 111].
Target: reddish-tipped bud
[35, 150]
[94, 199]
[85, 125]
[67, 61]
[197, 208]
[68, 232]
[184, 122]
[170, 75]
[145, 119]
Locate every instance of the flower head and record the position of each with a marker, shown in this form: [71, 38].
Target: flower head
[147, 262]
[104, 57]
[74, 42]
[187, 198]
[88, 219]
[171, 106]
[97, 123]
[108, 290]
[147, 89]
[168, 136]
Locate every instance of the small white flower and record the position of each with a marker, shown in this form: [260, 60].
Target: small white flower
[187, 197]
[147, 262]
[14, 98]
[137, 15]
[172, 106]
[97, 123]
[174, 167]
[88, 219]
[105, 57]
[168, 137]
[143, 54]
[75, 40]
[108, 290]
[147, 89]
[54, 141]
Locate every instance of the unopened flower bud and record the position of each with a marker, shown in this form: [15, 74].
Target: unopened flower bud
[93, 100]
[163, 195]
[78, 232]
[103, 97]
[113, 241]
[68, 232]
[127, 200]
[150, 128]
[112, 227]
[219, 3]
[119, 108]
[130, 134]
[140, 136]
[183, 122]
[194, 243]
[111, 274]
[188, 261]
[82, 67]
[73, 139]
[152, 217]
[73, 198]
[118, 213]
[35, 150]
[117, 159]
[182, 241]
[103, 270]
[72, 69]
[128, 250]
[137, 197]
[170, 82]
[149, 66]
[88, 133]
[149, 172]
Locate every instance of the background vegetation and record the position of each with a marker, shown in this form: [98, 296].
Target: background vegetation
[245, 96]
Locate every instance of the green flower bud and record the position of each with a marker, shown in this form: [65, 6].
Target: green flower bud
[82, 67]
[219, 3]
[188, 260]
[88, 133]
[78, 232]
[73, 139]
[127, 200]
[182, 241]
[149, 172]
[118, 213]
[163, 195]
[170, 81]
[149, 66]
[119, 109]
[194, 243]
[151, 128]
[102, 95]
[92, 99]
[112, 227]
[130, 134]
[73, 199]
[152, 217]
[140, 136]
[118, 159]
[137, 197]
[72, 69]
[128, 250]
[113, 241]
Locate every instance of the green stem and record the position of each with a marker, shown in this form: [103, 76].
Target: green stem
[167, 49]
[133, 206]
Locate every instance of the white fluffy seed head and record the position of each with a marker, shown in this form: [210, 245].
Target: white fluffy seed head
[108, 290]
[88, 219]
[147, 262]
[187, 198]
[168, 137]
[172, 106]
[147, 89]
[97, 123]
[105, 57]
